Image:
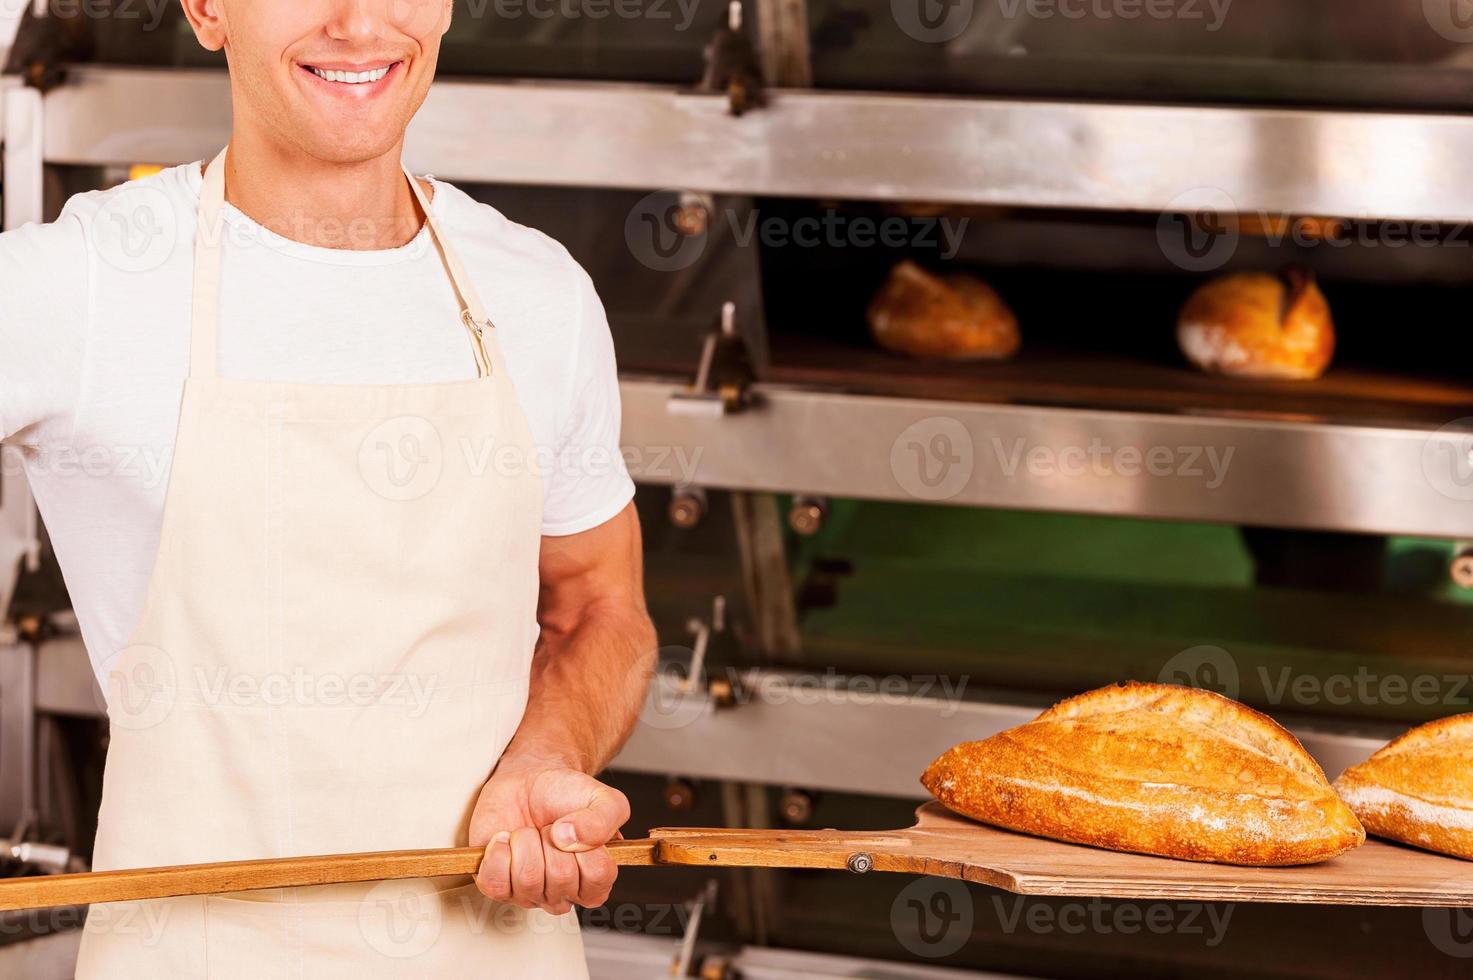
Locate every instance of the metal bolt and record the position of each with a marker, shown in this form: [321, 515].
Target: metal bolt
[1462, 569]
[807, 515]
[796, 807]
[722, 692]
[715, 968]
[679, 794]
[860, 863]
[693, 214]
[687, 508]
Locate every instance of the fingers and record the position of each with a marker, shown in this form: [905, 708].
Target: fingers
[596, 874]
[494, 877]
[562, 877]
[528, 870]
[525, 868]
[595, 824]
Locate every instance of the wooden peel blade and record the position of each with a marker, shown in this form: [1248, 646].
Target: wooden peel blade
[941, 844]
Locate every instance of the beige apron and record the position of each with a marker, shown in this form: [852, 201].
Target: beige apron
[333, 653]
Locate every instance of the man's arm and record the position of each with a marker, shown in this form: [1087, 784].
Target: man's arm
[543, 815]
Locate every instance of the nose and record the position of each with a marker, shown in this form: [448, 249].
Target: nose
[368, 20]
[355, 20]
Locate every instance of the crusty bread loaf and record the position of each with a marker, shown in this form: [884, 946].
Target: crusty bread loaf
[1155, 769]
[957, 318]
[1418, 789]
[1256, 325]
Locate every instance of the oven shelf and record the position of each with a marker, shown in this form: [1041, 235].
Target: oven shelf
[1397, 462]
[1107, 381]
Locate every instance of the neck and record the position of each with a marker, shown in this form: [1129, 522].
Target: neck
[363, 205]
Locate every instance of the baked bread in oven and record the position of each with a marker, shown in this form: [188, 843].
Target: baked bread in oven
[1154, 769]
[957, 318]
[1418, 789]
[1256, 325]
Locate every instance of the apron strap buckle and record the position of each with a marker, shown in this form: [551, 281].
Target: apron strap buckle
[475, 327]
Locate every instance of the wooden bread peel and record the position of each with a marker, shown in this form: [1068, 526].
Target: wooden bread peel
[941, 843]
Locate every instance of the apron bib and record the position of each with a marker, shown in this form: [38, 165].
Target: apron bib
[333, 653]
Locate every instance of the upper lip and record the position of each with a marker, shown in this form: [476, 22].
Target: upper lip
[353, 66]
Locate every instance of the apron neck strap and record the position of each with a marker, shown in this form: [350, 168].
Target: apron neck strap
[208, 241]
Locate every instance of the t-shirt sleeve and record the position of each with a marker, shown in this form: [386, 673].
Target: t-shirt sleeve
[589, 482]
[43, 329]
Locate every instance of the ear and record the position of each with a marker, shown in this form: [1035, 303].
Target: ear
[209, 26]
[449, 13]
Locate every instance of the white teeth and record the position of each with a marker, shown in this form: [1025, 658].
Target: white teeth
[351, 77]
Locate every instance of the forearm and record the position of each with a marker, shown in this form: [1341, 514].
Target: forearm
[587, 686]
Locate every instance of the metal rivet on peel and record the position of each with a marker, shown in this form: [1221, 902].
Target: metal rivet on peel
[860, 863]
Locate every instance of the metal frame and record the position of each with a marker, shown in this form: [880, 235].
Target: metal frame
[823, 144]
[1267, 472]
[815, 731]
[17, 735]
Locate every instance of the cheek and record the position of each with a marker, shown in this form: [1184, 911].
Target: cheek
[422, 20]
[261, 42]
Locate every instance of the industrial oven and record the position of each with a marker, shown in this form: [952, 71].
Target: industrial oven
[856, 559]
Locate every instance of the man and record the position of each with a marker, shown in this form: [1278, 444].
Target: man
[373, 581]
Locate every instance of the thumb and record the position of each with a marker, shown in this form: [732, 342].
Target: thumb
[595, 824]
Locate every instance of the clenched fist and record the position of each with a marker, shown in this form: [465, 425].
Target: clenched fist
[544, 830]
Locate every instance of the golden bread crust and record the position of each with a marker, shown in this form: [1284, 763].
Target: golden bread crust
[1154, 769]
[1418, 788]
[958, 318]
[1256, 325]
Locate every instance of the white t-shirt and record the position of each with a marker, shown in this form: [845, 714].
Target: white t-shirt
[94, 349]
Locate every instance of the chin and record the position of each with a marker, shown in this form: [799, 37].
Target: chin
[350, 145]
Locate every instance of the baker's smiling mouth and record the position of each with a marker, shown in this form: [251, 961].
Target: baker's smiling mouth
[351, 77]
